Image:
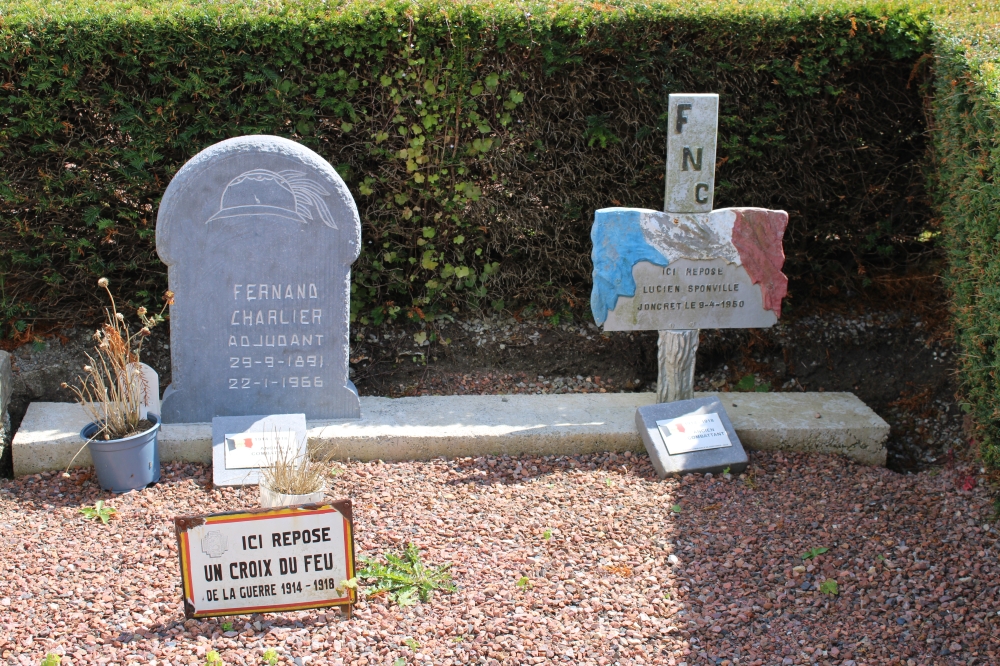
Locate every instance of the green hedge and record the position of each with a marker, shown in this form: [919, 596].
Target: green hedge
[967, 179]
[477, 137]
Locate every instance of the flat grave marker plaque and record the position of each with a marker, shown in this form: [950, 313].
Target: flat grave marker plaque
[690, 436]
[242, 445]
[258, 234]
[267, 560]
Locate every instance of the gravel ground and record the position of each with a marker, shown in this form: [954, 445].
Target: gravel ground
[696, 570]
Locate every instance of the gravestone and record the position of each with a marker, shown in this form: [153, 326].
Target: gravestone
[242, 445]
[258, 233]
[690, 267]
[690, 436]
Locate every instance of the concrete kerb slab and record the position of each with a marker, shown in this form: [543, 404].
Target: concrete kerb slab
[6, 389]
[421, 428]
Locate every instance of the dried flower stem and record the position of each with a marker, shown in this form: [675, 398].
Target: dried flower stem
[112, 389]
[293, 474]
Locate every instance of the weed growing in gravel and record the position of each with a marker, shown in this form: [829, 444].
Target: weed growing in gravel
[524, 583]
[813, 552]
[406, 578]
[227, 626]
[829, 586]
[51, 659]
[547, 534]
[270, 657]
[213, 658]
[412, 644]
[676, 508]
[399, 662]
[98, 511]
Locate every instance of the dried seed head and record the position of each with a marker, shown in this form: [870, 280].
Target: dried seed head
[119, 316]
[141, 311]
[168, 297]
[88, 368]
[64, 385]
[144, 331]
[103, 282]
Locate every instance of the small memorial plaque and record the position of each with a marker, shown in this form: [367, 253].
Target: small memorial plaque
[690, 436]
[267, 560]
[242, 445]
[693, 432]
[251, 450]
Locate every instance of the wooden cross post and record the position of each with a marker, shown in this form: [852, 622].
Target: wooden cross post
[689, 267]
[689, 188]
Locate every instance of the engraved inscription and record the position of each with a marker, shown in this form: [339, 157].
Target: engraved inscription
[690, 294]
[691, 148]
[288, 364]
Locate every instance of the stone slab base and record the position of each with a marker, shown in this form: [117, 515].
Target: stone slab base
[422, 428]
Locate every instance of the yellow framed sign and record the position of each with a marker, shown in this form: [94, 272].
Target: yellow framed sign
[267, 560]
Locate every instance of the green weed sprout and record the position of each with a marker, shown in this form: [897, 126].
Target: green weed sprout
[406, 578]
[270, 657]
[98, 511]
[813, 552]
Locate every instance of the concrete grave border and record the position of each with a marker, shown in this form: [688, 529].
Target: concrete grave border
[422, 428]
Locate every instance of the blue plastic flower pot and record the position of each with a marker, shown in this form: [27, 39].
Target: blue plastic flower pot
[125, 464]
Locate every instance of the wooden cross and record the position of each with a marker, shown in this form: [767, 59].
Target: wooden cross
[688, 267]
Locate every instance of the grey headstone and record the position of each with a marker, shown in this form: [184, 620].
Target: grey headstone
[258, 233]
[713, 460]
[281, 424]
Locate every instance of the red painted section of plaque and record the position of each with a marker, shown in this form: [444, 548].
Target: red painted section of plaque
[757, 235]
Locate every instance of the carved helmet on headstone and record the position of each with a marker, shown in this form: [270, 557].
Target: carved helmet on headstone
[286, 194]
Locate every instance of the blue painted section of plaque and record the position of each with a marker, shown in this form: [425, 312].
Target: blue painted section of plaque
[618, 246]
